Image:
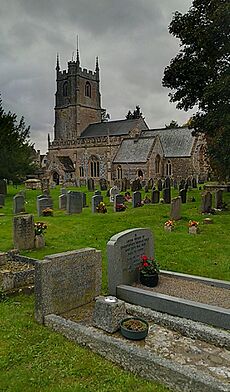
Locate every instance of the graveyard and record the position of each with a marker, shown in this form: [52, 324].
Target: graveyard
[205, 254]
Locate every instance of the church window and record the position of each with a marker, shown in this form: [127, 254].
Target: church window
[81, 171]
[119, 172]
[65, 89]
[157, 164]
[140, 173]
[94, 167]
[168, 168]
[88, 89]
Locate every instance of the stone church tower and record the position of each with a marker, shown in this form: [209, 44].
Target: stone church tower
[77, 100]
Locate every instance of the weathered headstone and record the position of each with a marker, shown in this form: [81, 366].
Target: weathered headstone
[183, 195]
[18, 204]
[74, 202]
[150, 183]
[43, 203]
[3, 187]
[23, 232]
[136, 201]
[175, 213]
[113, 191]
[84, 203]
[219, 199]
[103, 184]
[182, 184]
[206, 203]
[66, 281]
[167, 182]
[90, 184]
[124, 251]
[96, 193]
[167, 195]
[2, 200]
[155, 197]
[64, 191]
[159, 185]
[62, 201]
[96, 199]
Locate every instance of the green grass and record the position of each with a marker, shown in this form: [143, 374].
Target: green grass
[33, 358]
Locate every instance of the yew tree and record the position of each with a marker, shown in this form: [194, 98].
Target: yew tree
[16, 151]
[199, 75]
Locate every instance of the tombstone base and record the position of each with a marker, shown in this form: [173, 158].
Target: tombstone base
[108, 313]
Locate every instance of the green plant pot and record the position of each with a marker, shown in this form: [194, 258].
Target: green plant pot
[134, 334]
[149, 280]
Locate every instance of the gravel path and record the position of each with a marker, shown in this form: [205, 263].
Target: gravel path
[191, 290]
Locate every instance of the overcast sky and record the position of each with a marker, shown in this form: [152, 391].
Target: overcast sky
[130, 37]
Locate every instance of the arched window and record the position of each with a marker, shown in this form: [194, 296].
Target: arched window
[81, 170]
[168, 168]
[65, 89]
[119, 172]
[157, 164]
[88, 89]
[94, 167]
[140, 173]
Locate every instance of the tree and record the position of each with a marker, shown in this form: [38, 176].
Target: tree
[136, 114]
[16, 152]
[199, 75]
[173, 124]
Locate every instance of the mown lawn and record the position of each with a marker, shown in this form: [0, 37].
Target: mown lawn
[34, 358]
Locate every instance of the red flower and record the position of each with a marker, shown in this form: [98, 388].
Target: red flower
[145, 264]
[144, 258]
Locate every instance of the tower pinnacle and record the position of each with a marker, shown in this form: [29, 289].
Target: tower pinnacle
[78, 57]
[57, 66]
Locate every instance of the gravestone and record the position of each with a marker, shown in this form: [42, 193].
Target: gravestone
[84, 203]
[3, 187]
[219, 199]
[167, 183]
[124, 251]
[146, 188]
[23, 232]
[90, 184]
[150, 183]
[183, 195]
[159, 185]
[43, 203]
[18, 204]
[175, 213]
[2, 200]
[167, 195]
[96, 193]
[206, 203]
[113, 191]
[62, 201]
[74, 202]
[155, 197]
[118, 199]
[136, 201]
[66, 281]
[64, 191]
[103, 184]
[181, 184]
[194, 182]
[96, 199]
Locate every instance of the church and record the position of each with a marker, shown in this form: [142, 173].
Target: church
[87, 145]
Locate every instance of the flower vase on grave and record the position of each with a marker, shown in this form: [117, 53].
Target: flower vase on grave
[168, 228]
[150, 280]
[193, 230]
[39, 241]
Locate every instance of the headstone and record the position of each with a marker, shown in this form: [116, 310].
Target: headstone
[18, 204]
[118, 199]
[167, 183]
[175, 213]
[113, 191]
[90, 184]
[84, 203]
[23, 232]
[96, 193]
[194, 182]
[74, 202]
[183, 195]
[2, 200]
[155, 197]
[219, 199]
[43, 203]
[159, 185]
[124, 251]
[150, 183]
[167, 195]
[96, 199]
[103, 184]
[136, 201]
[66, 281]
[146, 188]
[3, 187]
[62, 201]
[64, 191]
[182, 184]
[206, 203]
